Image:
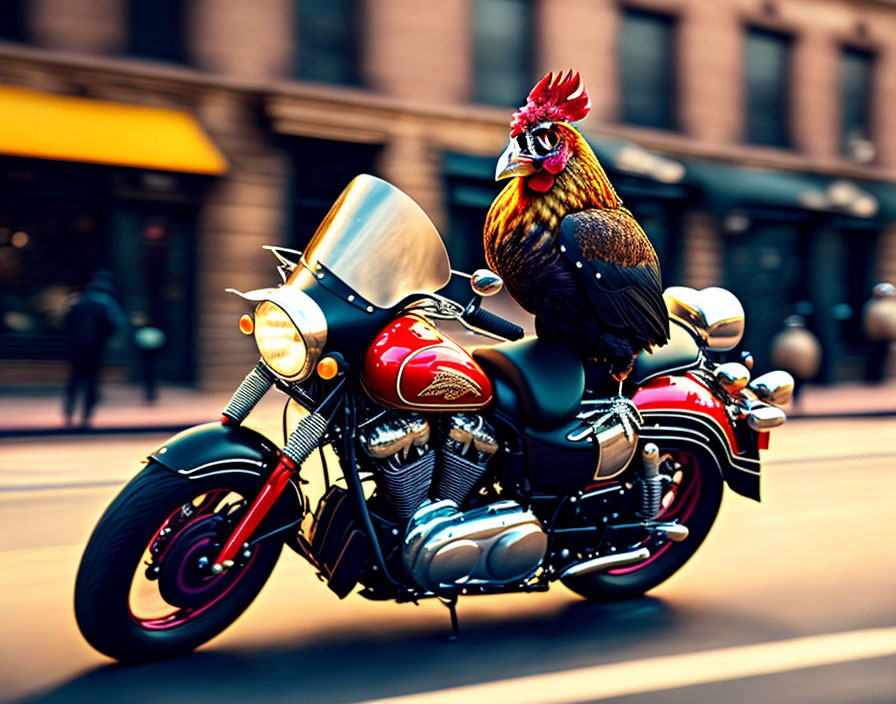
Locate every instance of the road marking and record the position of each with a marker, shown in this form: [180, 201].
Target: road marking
[668, 672]
[773, 462]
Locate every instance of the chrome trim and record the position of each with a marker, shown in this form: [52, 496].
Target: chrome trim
[223, 471]
[469, 429]
[606, 562]
[774, 387]
[703, 419]
[732, 376]
[764, 418]
[304, 313]
[673, 531]
[396, 435]
[240, 460]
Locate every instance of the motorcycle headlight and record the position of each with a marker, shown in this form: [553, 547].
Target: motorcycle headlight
[280, 342]
[290, 331]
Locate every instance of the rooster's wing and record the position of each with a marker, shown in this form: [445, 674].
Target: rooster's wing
[619, 270]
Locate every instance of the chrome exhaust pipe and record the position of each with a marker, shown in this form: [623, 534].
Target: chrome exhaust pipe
[606, 562]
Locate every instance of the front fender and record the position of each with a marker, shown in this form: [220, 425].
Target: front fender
[680, 411]
[219, 449]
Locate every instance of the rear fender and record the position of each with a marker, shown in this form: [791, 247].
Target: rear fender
[220, 449]
[679, 411]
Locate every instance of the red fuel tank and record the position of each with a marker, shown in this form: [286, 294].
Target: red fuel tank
[412, 365]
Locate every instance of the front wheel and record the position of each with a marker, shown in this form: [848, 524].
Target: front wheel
[144, 589]
[693, 501]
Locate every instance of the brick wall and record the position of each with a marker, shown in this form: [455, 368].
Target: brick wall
[416, 66]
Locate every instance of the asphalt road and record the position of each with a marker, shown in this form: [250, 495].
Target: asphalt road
[790, 600]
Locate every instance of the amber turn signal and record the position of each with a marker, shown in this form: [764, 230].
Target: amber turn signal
[327, 368]
[247, 325]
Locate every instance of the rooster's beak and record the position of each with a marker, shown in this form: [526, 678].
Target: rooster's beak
[512, 163]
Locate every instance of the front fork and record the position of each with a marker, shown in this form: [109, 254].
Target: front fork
[301, 443]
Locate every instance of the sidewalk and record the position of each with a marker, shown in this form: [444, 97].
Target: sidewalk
[123, 409]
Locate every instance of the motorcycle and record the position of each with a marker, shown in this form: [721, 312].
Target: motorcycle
[501, 470]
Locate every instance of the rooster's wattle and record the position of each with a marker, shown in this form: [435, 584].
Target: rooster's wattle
[568, 252]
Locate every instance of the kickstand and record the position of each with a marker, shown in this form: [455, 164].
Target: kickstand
[451, 603]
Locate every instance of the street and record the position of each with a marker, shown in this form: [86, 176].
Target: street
[812, 562]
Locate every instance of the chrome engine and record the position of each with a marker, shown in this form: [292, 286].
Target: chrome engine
[468, 446]
[400, 448]
[425, 486]
[496, 544]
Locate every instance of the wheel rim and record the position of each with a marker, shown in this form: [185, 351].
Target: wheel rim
[182, 587]
[680, 508]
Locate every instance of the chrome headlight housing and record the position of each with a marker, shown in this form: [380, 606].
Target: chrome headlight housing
[281, 344]
[290, 330]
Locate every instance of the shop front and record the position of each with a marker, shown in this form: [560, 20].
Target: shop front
[85, 186]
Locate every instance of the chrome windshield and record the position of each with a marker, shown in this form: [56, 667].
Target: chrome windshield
[379, 242]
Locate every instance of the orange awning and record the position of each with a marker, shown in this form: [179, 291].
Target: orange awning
[47, 126]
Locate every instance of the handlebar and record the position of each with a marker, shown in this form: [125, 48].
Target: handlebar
[495, 324]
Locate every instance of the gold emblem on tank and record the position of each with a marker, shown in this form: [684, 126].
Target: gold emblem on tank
[451, 385]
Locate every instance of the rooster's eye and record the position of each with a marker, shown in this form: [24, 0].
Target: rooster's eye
[522, 143]
[545, 141]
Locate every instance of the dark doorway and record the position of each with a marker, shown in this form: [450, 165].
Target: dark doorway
[321, 168]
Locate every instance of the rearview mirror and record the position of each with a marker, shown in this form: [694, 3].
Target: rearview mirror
[485, 282]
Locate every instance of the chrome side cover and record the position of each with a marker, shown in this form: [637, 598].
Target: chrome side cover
[495, 544]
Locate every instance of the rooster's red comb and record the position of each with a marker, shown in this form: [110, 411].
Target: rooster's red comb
[557, 97]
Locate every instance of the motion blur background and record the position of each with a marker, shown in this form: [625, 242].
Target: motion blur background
[167, 141]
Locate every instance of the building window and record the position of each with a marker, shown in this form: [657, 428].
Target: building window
[767, 75]
[647, 69]
[328, 41]
[12, 20]
[855, 99]
[156, 29]
[320, 170]
[502, 51]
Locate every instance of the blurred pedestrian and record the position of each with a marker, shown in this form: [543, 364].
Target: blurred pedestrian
[89, 323]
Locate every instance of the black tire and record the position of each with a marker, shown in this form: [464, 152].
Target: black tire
[632, 582]
[112, 561]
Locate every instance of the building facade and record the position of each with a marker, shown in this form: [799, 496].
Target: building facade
[754, 139]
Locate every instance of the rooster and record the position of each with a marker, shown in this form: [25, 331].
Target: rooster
[568, 252]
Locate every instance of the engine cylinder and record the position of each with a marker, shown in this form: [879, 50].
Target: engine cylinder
[469, 444]
[408, 484]
[399, 446]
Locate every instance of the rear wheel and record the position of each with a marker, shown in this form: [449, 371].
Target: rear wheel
[693, 501]
[144, 589]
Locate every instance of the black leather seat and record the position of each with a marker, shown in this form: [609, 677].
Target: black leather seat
[546, 376]
[681, 352]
